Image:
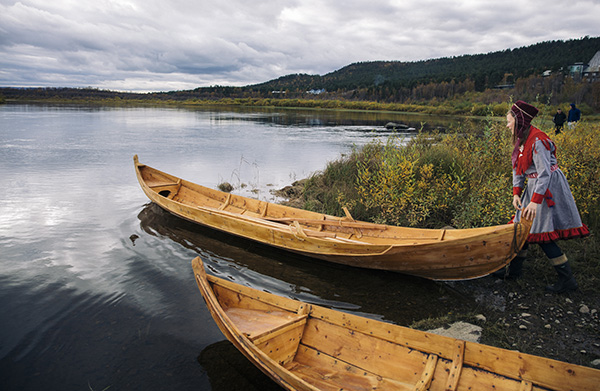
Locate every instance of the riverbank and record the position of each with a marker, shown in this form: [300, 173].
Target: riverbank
[474, 105]
[520, 315]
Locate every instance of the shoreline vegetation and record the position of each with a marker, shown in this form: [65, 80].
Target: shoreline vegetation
[465, 106]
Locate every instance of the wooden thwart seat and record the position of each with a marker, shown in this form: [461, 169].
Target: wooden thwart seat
[166, 188]
[258, 325]
[276, 333]
[164, 184]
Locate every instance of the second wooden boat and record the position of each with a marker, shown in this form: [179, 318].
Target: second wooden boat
[307, 347]
[438, 254]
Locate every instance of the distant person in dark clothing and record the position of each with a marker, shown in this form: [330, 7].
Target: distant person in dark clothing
[574, 116]
[559, 120]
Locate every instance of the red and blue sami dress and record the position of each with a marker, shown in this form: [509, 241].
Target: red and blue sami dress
[557, 217]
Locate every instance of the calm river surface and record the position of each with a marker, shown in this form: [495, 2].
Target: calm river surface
[96, 287]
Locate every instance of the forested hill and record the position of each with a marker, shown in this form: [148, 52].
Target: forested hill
[485, 70]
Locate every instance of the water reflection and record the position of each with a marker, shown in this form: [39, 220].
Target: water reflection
[91, 345]
[222, 357]
[357, 120]
[376, 294]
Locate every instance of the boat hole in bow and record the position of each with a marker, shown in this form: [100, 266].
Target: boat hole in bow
[165, 193]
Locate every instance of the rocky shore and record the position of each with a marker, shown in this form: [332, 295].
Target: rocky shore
[520, 315]
[292, 194]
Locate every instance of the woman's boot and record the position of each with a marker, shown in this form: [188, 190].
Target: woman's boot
[566, 282]
[514, 269]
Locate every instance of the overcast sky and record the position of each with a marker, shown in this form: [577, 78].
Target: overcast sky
[165, 45]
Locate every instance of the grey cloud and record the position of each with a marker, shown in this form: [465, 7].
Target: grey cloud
[159, 44]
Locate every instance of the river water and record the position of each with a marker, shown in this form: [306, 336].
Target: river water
[96, 288]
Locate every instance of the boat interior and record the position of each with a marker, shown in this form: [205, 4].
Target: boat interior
[332, 352]
[301, 222]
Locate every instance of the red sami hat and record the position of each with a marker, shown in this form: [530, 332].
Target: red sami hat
[524, 113]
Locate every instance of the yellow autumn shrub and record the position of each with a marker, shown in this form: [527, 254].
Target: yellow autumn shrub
[578, 153]
[464, 178]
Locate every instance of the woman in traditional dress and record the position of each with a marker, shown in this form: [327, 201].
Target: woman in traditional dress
[547, 198]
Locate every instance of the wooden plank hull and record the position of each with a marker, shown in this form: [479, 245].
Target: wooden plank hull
[430, 253]
[307, 347]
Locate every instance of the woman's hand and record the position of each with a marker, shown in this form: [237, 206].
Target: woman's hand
[517, 202]
[530, 211]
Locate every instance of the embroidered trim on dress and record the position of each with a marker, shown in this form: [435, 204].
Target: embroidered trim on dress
[547, 237]
[535, 174]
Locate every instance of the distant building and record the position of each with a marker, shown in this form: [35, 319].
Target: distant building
[315, 91]
[586, 72]
[576, 70]
[592, 72]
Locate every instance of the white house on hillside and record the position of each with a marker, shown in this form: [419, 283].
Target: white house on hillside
[592, 72]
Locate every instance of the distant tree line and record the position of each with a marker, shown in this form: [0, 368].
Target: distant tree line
[491, 77]
[484, 70]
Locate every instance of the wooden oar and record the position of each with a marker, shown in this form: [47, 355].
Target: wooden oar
[341, 223]
[276, 225]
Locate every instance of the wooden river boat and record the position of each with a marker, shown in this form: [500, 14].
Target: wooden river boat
[438, 254]
[306, 347]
